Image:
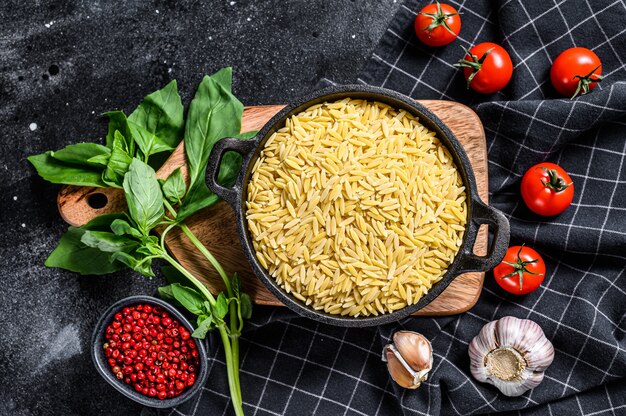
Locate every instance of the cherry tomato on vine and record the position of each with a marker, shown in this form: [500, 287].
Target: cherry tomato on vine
[521, 271]
[576, 71]
[437, 24]
[487, 67]
[547, 189]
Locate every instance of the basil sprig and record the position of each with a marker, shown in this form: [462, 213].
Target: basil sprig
[110, 242]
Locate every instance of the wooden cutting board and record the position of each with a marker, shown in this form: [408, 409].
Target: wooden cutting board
[215, 226]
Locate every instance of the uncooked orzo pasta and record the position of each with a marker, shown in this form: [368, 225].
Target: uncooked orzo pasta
[355, 208]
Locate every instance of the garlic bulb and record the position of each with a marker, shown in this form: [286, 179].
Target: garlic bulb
[511, 354]
[409, 359]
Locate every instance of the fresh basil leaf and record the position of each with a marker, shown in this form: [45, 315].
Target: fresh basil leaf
[118, 162]
[102, 222]
[161, 113]
[203, 328]
[136, 263]
[143, 196]
[172, 275]
[236, 285]
[174, 187]
[189, 298]
[83, 154]
[100, 160]
[229, 168]
[148, 142]
[166, 294]
[213, 114]
[150, 250]
[247, 135]
[201, 318]
[224, 77]
[108, 242]
[246, 306]
[73, 255]
[119, 122]
[220, 309]
[55, 171]
[122, 227]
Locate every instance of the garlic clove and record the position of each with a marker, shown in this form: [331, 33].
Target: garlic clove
[541, 355]
[486, 341]
[398, 371]
[511, 354]
[409, 359]
[517, 333]
[530, 381]
[415, 349]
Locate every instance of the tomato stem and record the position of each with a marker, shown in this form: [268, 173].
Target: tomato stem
[439, 19]
[556, 183]
[519, 267]
[585, 81]
[475, 63]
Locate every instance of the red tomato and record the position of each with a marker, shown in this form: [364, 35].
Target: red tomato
[487, 67]
[437, 24]
[547, 189]
[576, 71]
[521, 271]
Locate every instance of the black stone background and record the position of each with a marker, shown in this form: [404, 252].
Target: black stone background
[62, 63]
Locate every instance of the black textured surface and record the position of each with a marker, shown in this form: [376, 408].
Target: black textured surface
[64, 62]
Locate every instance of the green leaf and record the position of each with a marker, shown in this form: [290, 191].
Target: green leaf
[235, 283]
[247, 135]
[201, 318]
[119, 122]
[72, 254]
[102, 222]
[138, 264]
[203, 327]
[172, 275]
[224, 77]
[122, 227]
[229, 168]
[143, 196]
[100, 160]
[148, 142]
[213, 114]
[55, 171]
[189, 298]
[108, 242]
[83, 154]
[174, 187]
[161, 113]
[246, 306]
[118, 162]
[166, 294]
[220, 309]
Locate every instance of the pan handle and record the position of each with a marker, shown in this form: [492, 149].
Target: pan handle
[245, 148]
[484, 214]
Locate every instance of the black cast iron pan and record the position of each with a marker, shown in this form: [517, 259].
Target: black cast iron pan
[478, 212]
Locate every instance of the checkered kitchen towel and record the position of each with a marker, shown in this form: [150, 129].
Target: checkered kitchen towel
[295, 366]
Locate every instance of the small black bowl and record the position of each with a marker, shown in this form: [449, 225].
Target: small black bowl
[99, 359]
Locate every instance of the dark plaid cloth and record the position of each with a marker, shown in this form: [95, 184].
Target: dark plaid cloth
[295, 366]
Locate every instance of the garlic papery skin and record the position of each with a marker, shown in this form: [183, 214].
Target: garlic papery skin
[512, 354]
[409, 359]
